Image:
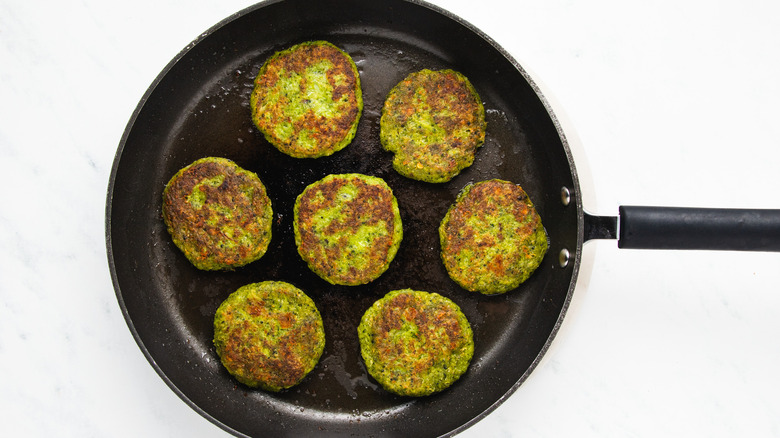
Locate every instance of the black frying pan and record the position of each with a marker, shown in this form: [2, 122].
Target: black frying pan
[198, 106]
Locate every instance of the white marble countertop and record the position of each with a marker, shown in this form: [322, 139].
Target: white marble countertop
[674, 102]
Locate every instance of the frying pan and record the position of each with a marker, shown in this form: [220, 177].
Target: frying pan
[198, 106]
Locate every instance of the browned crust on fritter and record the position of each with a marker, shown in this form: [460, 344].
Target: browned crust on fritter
[474, 224]
[328, 132]
[415, 343]
[439, 152]
[285, 368]
[373, 206]
[269, 335]
[201, 233]
[483, 200]
[433, 318]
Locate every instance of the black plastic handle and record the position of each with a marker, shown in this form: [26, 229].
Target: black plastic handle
[699, 228]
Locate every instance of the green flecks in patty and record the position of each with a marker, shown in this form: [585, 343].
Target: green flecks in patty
[347, 228]
[269, 335]
[307, 100]
[492, 238]
[415, 343]
[433, 121]
[218, 214]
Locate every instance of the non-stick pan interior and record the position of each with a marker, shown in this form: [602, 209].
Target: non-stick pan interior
[198, 107]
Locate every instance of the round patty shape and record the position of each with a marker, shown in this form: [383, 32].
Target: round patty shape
[269, 335]
[348, 228]
[492, 238]
[433, 121]
[218, 214]
[415, 343]
[307, 100]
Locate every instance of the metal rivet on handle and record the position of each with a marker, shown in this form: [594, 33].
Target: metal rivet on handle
[565, 195]
[563, 257]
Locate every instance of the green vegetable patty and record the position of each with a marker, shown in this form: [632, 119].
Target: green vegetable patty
[415, 343]
[307, 100]
[218, 214]
[347, 228]
[492, 238]
[433, 121]
[269, 335]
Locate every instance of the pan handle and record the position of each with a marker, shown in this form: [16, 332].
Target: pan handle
[689, 228]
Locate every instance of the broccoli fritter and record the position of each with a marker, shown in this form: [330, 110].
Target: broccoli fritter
[347, 228]
[433, 121]
[492, 238]
[307, 100]
[218, 214]
[415, 343]
[269, 335]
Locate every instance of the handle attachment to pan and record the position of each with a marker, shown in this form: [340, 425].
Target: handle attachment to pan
[688, 228]
[699, 228]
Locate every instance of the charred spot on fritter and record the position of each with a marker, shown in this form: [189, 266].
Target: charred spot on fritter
[218, 214]
[415, 343]
[492, 238]
[347, 228]
[269, 335]
[307, 100]
[433, 121]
